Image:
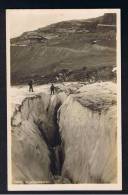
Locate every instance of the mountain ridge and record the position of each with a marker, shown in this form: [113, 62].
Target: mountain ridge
[70, 45]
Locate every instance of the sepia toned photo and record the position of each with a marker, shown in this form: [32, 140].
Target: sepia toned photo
[64, 99]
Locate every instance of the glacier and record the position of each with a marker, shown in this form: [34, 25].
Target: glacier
[70, 137]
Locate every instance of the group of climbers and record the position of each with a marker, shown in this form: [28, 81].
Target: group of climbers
[30, 84]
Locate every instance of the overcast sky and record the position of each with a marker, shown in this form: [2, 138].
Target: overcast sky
[20, 21]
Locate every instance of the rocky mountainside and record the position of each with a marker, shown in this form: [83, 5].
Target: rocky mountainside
[76, 50]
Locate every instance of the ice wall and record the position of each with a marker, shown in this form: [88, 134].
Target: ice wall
[87, 123]
[34, 131]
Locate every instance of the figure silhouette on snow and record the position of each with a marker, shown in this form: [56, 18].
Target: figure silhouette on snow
[52, 89]
[30, 86]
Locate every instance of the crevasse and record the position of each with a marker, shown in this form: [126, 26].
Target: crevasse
[59, 139]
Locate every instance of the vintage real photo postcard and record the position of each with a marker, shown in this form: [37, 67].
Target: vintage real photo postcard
[64, 99]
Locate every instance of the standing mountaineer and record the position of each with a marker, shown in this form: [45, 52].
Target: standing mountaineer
[52, 89]
[30, 86]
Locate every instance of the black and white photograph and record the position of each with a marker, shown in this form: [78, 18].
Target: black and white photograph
[63, 99]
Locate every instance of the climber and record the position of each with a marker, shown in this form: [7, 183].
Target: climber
[52, 89]
[30, 86]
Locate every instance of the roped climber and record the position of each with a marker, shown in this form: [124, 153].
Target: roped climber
[31, 86]
[52, 88]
